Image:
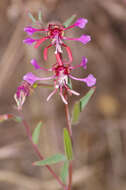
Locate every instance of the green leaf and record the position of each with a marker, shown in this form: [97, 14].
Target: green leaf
[84, 100]
[36, 132]
[80, 105]
[67, 145]
[69, 83]
[64, 171]
[76, 113]
[40, 16]
[31, 17]
[51, 160]
[69, 21]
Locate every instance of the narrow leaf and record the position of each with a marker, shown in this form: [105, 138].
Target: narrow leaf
[64, 172]
[84, 100]
[80, 105]
[36, 132]
[69, 21]
[51, 160]
[31, 17]
[40, 16]
[67, 145]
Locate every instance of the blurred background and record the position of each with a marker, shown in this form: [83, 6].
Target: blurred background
[100, 137]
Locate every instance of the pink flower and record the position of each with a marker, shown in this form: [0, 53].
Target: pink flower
[60, 77]
[22, 92]
[55, 32]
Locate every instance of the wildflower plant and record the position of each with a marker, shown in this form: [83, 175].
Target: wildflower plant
[60, 78]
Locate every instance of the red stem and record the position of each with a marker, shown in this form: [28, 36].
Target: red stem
[27, 127]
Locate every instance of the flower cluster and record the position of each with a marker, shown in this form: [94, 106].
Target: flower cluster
[60, 71]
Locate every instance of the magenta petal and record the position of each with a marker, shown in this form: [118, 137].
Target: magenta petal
[90, 80]
[84, 39]
[81, 22]
[84, 62]
[29, 41]
[29, 30]
[30, 78]
[34, 63]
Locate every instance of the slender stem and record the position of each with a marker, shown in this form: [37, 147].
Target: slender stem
[70, 176]
[27, 127]
[68, 120]
[69, 128]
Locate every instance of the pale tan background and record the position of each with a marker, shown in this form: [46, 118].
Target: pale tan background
[100, 137]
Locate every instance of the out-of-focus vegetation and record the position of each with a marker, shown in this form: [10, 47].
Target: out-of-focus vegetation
[100, 137]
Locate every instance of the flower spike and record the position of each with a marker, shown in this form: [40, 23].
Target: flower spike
[61, 70]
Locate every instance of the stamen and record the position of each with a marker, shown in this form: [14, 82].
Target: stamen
[62, 97]
[51, 94]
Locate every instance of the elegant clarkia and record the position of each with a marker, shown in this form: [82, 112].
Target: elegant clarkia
[55, 32]
[61, 70]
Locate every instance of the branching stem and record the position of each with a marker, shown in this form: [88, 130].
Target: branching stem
[27, 127]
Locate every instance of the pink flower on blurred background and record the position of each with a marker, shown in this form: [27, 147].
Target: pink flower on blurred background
[60, 78]
[55, 32]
